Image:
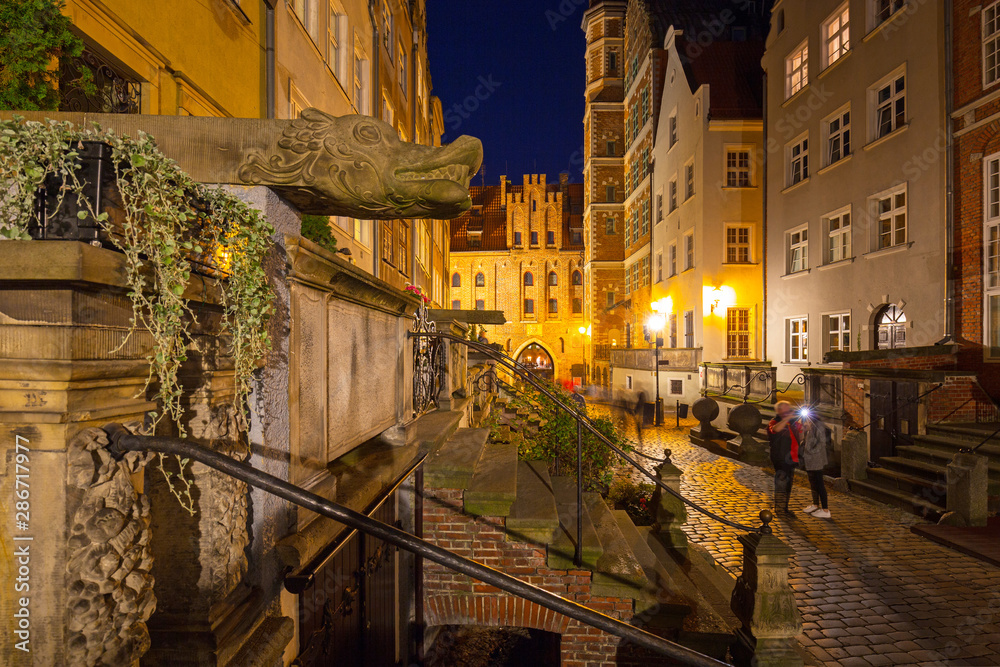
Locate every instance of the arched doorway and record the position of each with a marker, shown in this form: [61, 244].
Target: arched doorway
[538, 360]
[890, 328]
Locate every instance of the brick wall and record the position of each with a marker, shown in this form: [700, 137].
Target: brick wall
[456, 599]
[928, 363]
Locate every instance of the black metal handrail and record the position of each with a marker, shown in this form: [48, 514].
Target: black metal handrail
[973, 450]
[584, 422]
[896, 409]
[121, 442]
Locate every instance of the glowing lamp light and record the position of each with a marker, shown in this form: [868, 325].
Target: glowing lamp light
[656, 322]
[718, 299]
[664, 305]
[582, 330]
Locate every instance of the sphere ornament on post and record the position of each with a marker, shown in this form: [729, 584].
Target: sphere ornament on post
[705, 410]
[746, 420]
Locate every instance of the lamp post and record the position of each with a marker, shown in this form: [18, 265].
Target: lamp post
[656, 323]
[584, 332]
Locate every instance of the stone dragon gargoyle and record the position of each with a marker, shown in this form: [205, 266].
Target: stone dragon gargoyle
[325, 165]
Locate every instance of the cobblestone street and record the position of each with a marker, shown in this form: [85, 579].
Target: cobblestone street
[870, 591]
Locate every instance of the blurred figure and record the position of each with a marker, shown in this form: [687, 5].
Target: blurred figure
[813, 454]
[784, 434]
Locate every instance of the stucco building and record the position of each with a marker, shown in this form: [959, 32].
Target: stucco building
[856, 208]
[520, 250]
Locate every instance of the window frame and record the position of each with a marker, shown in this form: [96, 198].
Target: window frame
[688, 329]
[741, 336]
[609, 225]
[792, 245]
[688, 250]
[842, 134]
[456, 279]
[841, 231]
[844, 334]
[659, 266]
[797, 354]
[528, 279]
[672, 139]
[991, 257]
[738, 244]
[672, 195]
[480, 280]
[893, 6]
[528, 306]
[878, 216]
[689, 180]
[874, 106]
[988, 39]
[737, 169]
[792, 87]
[672, 259]
[843, 35]
[800, 144]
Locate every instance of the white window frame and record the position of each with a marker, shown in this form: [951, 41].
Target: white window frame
[836, 35]
[296, 101]
[839, 325]
[362, 90]
[991, 257]
[891, 214]
[797, 158]
[841, 135]
[689, 251]
[735, 169]
[991, 45]
[672, 259]
[336, 39]
[672, 130]
[689, 176]
[739, 245]
[672, 199]
[797, 339]
[890, 9]
[838, 227]
[890, 104]
[659, 266]
[797, 69]
[307, 11]
[797, 244]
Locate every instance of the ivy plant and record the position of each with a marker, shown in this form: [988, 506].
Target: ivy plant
[317, 228]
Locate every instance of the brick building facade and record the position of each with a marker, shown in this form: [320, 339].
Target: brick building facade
[520, 250]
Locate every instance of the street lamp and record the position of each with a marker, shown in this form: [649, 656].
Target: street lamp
[584, 332]
[656, 323]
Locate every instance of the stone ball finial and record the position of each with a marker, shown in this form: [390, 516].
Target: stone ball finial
[705, 409]
[745, 419]
[766, 517]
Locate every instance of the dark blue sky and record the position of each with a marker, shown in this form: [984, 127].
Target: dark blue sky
[515, 70]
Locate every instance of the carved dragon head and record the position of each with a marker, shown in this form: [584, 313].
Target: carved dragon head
[361, 169]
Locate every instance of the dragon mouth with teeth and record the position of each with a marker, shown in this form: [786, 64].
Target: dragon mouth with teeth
[357, 166]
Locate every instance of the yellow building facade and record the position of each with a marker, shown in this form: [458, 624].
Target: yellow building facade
[520, 250]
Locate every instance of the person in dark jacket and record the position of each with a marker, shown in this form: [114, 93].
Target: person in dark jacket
[815, 435]
[785, 434]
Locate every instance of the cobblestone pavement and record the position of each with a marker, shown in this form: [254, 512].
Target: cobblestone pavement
[870, 592]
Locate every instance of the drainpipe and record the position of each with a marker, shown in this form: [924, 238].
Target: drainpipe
[269, 56]
[949, 87]
[374, 77]
[763, 223]
[412, 92]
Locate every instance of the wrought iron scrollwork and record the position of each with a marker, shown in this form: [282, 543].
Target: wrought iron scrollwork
[427, 359]
[107, 90]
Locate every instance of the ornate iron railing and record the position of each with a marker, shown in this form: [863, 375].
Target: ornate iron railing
[427, 361]
[107, 90]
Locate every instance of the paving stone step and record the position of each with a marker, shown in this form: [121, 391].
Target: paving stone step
[896, 498]
[533, 516]
[561, 549]
[618, 572]
[494, 484]
[931, 472]
[453, 465]
[919, 486]
[952, 445]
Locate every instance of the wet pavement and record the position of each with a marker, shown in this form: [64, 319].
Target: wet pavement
[870, 592]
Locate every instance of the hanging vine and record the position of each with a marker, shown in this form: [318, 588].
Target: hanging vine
[168, 222]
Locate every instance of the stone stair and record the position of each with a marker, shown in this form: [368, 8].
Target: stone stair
[915, 479]
[626, 561]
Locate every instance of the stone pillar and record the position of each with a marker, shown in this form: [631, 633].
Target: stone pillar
[746, 421]
[670, 511]
[764, 603]
[967, 481]
[854, 456]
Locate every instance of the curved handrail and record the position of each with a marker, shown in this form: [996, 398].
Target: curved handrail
[525, 374]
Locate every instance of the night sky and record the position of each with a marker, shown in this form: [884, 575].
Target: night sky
[515, 69]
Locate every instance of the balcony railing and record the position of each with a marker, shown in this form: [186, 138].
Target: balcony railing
[645, 360]
[747, 382]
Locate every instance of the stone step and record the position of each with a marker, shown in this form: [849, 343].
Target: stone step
[907, 483]
[561, 549]
[432, 430]
[618, 572]
[973, 432]
[896, 498]
[952, 445]
[931, 472]
[533, 516]
[494, 484]
[661, 608]
[454, 463]
[942, 458]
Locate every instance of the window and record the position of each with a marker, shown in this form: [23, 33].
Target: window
[738, 333]
[553, 279]
[659, 266]
[677, 387]
[609, 193]
[577, 306]
[612, 62]
[836, 36]
[991, 44]
[628, 381]
[738, 244]
[838, 329]
[609, 224]
[883, 9]
[688, 180]
[388, 113]
[672, 129]
[610, 299]
[738, 169]
[991, 263]
[610, 149]
[577, 278]
[517, 239]
[797, 70]
[798, 339]
[688, 251]
[529, 280]
[798, 250]
[645, 216]
[534, 238]
[672, 190]
[659, 206]
[689, 328]
[891, 331]
[387, 27]
[672, 260]
[889, 106]
[361, 95]
[891, 212]
[672, 323]
[838, 142]
[480, 280]
[308, 13]
[335, 40]
[529, 306]
[456, 280]
[575, 237]
[456, 304]
[553, 306]
[403, 71]
[550, 238]
[838, 246]
[635, 223]
[798, 161]
[480, 304]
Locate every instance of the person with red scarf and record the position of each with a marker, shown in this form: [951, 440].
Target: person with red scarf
[784, 433]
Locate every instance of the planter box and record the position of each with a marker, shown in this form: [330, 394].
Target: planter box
[61, 223]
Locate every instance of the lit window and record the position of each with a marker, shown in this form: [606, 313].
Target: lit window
[839, 333]
[798, 250]
[836, 36]
[798, 339]
[891, 212]
[738, 333]
[890, 106]
[839, 237]
[797, 70]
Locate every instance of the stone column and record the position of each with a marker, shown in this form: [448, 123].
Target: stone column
[764, 603]
[854, 456]
[670, 511]
[967, 481]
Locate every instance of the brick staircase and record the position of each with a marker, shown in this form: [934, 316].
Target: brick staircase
[915, 479]
[686, 602]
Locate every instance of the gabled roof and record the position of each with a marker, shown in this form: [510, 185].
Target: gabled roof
[734, 75]
[698, 16]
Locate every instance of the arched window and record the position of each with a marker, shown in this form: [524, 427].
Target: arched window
[529, 280]
[553, 279]
[480, 280]
[577, 278]
[456, 280]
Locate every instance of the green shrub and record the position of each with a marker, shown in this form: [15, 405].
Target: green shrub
[635, 499]
[316, 228]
